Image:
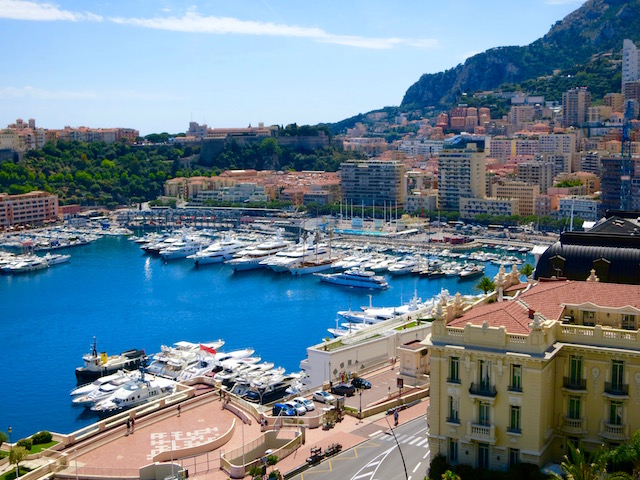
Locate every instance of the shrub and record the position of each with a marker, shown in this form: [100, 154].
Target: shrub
[26, 443]
[465, 471]
[41, 437]
[438, 466]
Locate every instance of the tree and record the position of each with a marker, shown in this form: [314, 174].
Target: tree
[3, 438]
[581, 465]
[485, 284]
[526, 269]
[449, 475]
[17, 455]
[629, 452]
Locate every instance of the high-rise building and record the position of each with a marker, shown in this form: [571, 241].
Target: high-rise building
[372, 182]
[537, 172]
[575, 105]
[630, 62]
[462, 169]
[32, 208]
[611, 182]
[524, 192]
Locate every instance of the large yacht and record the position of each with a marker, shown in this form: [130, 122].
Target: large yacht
[208, 362]
[252, 258]
[135, 393]
[98, 364]
[355, 277]
[171, 361]
[188, 245]
[218, 251]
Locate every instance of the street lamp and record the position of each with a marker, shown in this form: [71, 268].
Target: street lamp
[9, 430]
[360, 414]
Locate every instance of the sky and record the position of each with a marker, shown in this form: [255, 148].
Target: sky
[156, 65]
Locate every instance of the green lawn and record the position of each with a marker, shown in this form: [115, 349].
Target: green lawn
[3, 454]
[42, 446]
[10, 475]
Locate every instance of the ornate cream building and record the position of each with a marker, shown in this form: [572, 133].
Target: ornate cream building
[517, 379]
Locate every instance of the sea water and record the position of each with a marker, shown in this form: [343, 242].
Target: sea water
[111, 290]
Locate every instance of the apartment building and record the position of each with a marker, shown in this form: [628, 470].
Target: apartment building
[611, 184]
[461, 170]
[515, 381]
[575, 105]
[29, 208]
[557, 143]
[630, 62]
[421, 146]
[525, 193]
[579, 206]
[590, 181]
[372, 182]
[470, 208]
[537, 172]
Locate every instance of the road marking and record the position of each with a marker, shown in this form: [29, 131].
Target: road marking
[417, 439]
[422, 442]
[426, 455]
[375, 433]
[408, 439]
[417, 467]
[360, 476]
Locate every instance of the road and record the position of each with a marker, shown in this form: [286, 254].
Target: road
[379, 457]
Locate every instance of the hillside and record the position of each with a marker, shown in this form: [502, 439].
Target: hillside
[597, 27]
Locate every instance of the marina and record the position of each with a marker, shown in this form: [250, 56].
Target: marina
[139, 300]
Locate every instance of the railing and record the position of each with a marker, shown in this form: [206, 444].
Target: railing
[621, 389]
[514, 388]
[453, 380]
[482, 433]
[516, 430]
[483, 389]
[573, 424]
[517, 339]
[455, 420]
[616, 431]
[574, 383]
[455, 332]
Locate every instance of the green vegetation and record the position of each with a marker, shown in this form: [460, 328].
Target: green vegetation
[3, 454]
[42, 446]
[11, 474]
[521, 471]
[41, 437]
[3, 438]
[526, 269]
[27, 443]
[568, 184]
[485, 285]
[18, 454]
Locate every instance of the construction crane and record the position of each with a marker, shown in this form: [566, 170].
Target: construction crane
[626, 166]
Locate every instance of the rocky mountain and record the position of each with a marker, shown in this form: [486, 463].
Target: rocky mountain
[596, 28]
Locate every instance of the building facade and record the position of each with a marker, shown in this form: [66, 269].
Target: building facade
[29, 208]
[372, 182]
[575, 105]
[524, 192]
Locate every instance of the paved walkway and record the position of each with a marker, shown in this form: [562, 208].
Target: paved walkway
[122, 453]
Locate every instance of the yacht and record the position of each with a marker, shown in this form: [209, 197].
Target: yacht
[135, 393]
[218, 251]
[182, 248]
[471, 271]
[252, 258]
[315, 265]
[404, 266]
[285, 259]
[98, 364]
[355, 277]
[87, 388]
[171, 361]
[104, 390]
[208, 363]
[29, 263]
[55, 258]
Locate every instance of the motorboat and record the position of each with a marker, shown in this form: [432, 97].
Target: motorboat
[218, 251]
[25, 264]
[283, 260]
[355, 277]
[98, 364]
[171, 361]
[188, 245]
[86, 388]
[251, 259]
[404, 266]
[208, 362]
[56, 258]
[135, 393]
[470, 271]
[104, 390]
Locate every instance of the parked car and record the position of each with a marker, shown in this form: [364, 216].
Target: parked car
[360, 382]
[283, 409]
[343, 389]
[308, 404]
[323, 397]
[298, 407]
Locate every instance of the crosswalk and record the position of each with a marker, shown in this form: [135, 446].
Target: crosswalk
[405, 439]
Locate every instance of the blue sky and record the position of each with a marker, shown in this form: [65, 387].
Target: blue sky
[155, 65]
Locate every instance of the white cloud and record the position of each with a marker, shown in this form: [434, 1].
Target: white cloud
[193, 22]
[25, 10]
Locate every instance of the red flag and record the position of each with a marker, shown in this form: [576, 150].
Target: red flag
[207, 349]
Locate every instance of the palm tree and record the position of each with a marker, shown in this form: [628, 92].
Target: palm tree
[526, 270]
[629, 452]
[579, 465]
[449, 475]
[485, 284]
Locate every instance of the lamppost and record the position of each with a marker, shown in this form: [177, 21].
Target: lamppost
[9, 430]
[360, 414]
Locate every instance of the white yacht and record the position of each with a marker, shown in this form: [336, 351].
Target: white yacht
[98, 364]
[355, 277]
[56, 258]
[218, 251]
[188, 245]
[251, 258]
[171, 361]
[285, 259]
[208, 363]
[404, 266]
[104, 390]
[135, 393]
[29, 263]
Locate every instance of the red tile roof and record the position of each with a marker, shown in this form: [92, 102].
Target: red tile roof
[549, 299]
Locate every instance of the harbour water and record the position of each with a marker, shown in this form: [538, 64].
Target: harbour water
[112, 290]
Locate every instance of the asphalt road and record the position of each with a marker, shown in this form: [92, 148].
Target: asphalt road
[379, 457]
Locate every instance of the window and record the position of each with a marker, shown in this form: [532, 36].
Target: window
[628, 322]
[514, 456]
[483, 413]
[615, 413]
[617, 374]
[589, 319]
[484, 371]
[575, 369]
[483, 455]
[453, 410]
[514, 422]
[516, 378]
[574, 408]
[454, 370]
[453, 450]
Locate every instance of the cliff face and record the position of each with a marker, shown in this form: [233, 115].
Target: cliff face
[599, 26]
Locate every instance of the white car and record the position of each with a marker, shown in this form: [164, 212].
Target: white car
[308, 404]
[323, 397]
[298, 407]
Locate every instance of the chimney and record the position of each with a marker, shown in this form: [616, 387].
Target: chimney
[531, 313]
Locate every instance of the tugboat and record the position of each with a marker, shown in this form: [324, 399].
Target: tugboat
[97, 365]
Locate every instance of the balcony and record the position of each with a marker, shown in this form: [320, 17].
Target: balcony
[575, 383]
[514, 389]
[613, 432]
[616, 389]
[483, 389]
[481, 433]
[575, 426]
[454, 420]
